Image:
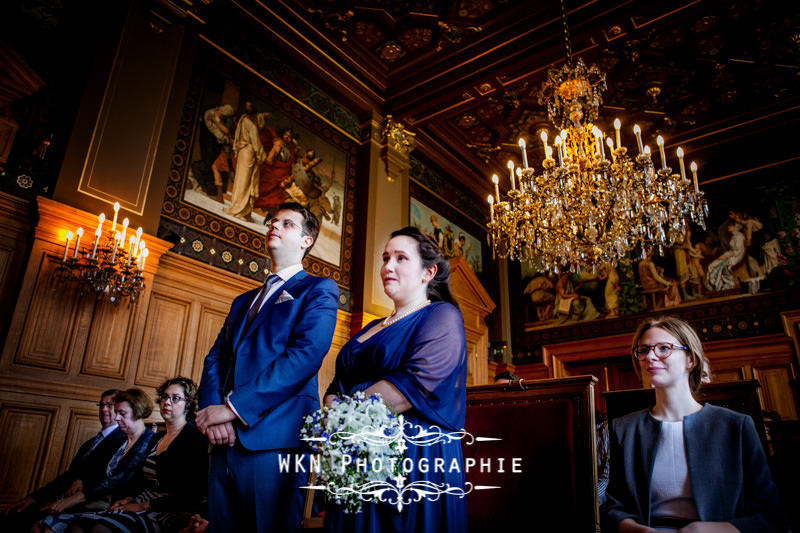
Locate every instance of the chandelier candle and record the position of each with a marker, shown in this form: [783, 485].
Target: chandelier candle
[680, 161]
[543, 136]
[638, 132]
[124, 230]
[660, 142]
[491, 212]
[496, 180]
[101, 218]
[511, 169]
[117, 239]
[524, 154]
[617, 125]
[693, 166]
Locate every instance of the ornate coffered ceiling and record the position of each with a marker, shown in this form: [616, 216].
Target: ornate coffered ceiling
[712, 75]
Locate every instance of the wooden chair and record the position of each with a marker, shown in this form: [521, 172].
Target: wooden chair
[548, 426]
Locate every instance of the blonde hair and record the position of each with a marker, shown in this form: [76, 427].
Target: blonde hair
[686, 335]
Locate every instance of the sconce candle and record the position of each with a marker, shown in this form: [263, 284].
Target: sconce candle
[66, 247]
[77, 242]
[96, 240]
[117, 239]
[116, 212]
[101, 218]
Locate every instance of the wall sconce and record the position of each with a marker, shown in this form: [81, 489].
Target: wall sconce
[114, 269]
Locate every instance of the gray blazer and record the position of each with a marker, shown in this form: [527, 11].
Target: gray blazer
[728, 470]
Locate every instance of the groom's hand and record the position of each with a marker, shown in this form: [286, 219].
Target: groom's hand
[215, 422]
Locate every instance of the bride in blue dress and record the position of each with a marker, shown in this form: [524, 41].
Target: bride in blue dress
[416, 359]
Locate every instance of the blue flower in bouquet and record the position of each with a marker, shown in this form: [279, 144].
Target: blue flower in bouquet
[360, 443]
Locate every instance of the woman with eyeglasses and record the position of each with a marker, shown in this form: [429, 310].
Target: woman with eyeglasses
[681, 465]
[173, 481]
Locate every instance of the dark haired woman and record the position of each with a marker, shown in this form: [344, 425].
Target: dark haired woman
[416, 359]
[682, 465]
[174, 478]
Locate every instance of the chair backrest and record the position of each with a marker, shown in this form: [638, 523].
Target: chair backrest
[542, 467]
[739, 396]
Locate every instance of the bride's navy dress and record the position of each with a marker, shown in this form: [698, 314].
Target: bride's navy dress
[424, 355]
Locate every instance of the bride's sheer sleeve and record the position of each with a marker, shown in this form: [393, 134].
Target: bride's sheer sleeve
[433, 372]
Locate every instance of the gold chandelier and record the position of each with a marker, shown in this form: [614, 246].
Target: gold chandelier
[113, 269]
[589, 207]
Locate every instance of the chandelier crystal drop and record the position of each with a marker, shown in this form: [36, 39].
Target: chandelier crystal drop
[592, 202]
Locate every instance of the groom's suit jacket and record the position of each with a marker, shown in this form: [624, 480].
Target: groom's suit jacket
[276, 360]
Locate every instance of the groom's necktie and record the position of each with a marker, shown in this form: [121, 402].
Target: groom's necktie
[253, 311]
[251, 315]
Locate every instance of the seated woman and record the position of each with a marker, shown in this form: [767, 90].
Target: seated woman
[416, 358]
[174, 481]
[132, 407]
[682, 465]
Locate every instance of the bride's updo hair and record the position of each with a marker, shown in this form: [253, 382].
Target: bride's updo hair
[431, 255]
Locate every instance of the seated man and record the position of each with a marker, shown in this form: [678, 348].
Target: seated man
[91, 460]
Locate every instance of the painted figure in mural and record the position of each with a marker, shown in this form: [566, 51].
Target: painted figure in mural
[720, 273]
[276, 169]
[543, 296]
[249, 153]
[219, 121]
[308, 187]
[571, 306]
[448, 242]
[611, 290]
[652, 279]
[337, 209]
[216, 133]
[462, 247]
[686, 269]
[438, 233]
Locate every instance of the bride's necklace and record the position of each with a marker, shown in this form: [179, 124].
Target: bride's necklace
[394, 317]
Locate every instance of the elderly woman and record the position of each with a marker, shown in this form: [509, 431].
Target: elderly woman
[416, 359]
[132, 407]
[682, 465]
[174, 478]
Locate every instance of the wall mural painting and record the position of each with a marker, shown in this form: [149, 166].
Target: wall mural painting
[245, 146]
[749, 247]
[453, 240]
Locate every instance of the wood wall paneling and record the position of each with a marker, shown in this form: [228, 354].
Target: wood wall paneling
[165, 335]
[55, 309]
[26, 431]
[107, 349]
[83, 425]
[209, 325]
[14, 228]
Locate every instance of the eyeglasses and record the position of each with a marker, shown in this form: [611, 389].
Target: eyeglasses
[287, 224]
[105, 405]
[661, 349]
[174, 398]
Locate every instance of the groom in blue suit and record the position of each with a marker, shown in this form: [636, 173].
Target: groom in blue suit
[260, 381]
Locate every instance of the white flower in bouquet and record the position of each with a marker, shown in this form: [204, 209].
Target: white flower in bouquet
[360, 442]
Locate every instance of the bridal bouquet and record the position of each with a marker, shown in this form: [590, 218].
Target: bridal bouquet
[360, 444]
